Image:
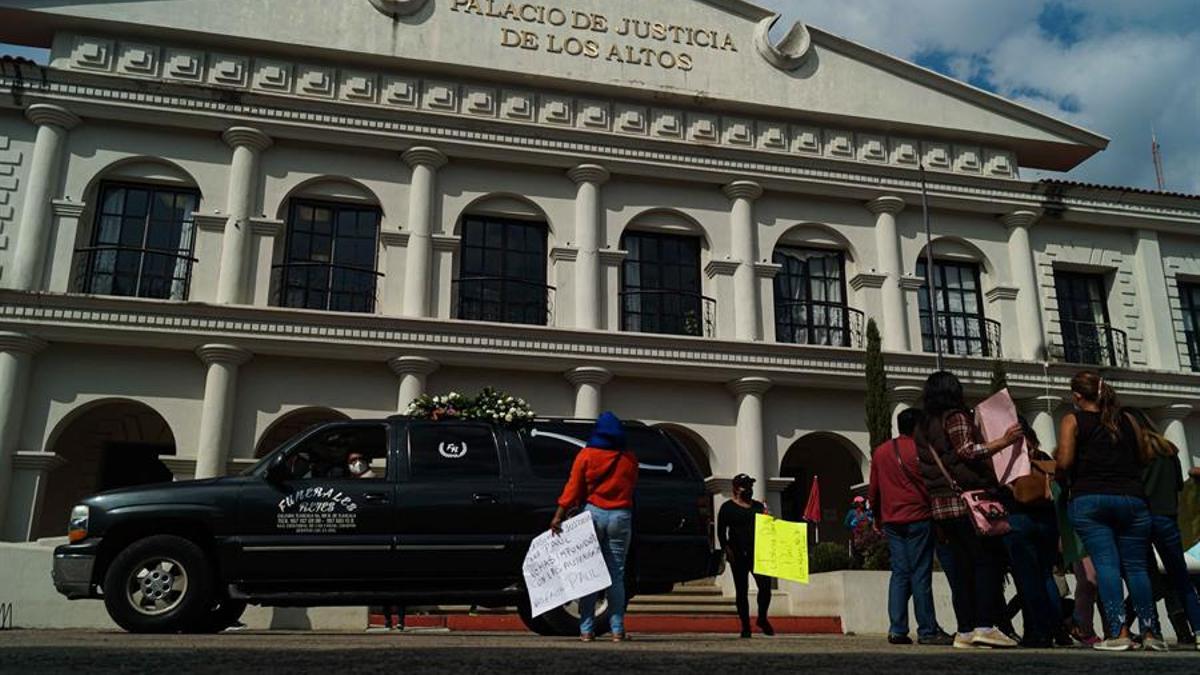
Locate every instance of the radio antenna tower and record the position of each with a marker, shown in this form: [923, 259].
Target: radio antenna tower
[1156, 151]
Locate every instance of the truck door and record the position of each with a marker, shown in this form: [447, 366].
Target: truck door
[316, 521]
[454, 506]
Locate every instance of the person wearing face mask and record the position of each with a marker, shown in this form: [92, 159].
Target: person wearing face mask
[359, 465]
[735, 530]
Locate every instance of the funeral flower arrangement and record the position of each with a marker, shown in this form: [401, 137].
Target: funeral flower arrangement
[488, 405]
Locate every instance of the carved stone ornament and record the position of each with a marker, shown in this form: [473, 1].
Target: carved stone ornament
[791, 51]
[399, 7]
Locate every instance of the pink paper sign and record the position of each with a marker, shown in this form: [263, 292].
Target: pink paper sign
[995, 416]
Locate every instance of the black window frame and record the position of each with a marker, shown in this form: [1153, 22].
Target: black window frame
[298, 273]
[387, 473]
[1189, 304]
[98, 252]
[954, 334]
[669, 307]
[412, 474]
[507, 296]
[808, 318]
[1086, 339]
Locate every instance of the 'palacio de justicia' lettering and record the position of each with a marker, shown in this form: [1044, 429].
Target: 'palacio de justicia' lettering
[593, 27]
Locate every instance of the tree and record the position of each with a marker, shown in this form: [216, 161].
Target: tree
[878, 409]
[999, 376]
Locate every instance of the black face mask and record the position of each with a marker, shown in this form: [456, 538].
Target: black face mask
[745, 492]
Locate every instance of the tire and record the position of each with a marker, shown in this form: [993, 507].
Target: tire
[536, 625]
[160, 584]
[223, 615]
[564, 621]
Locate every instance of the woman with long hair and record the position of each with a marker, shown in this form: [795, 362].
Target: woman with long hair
[1098, 451]
[949, 438]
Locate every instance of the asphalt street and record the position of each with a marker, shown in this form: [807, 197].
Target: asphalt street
[33, 651]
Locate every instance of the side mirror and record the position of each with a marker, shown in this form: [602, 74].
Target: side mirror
[278, 471]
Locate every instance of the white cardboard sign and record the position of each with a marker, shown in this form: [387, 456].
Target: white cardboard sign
[566, 567]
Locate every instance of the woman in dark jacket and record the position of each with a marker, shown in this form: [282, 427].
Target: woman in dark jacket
[975, 583]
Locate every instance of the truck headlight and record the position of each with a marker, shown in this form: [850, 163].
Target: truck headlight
[77, 526]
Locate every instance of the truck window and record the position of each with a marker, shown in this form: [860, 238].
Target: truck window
[328, 453]
[447, 450]
[551, 448]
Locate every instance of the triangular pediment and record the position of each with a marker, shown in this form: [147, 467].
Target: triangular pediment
[705, 52]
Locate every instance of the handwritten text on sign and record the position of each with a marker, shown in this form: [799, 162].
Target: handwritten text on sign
[570, 32]
[780, 548]
[559, 569]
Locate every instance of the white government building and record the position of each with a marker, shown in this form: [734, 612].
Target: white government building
[221, 222]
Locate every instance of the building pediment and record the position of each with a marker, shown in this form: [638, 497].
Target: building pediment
[709, 53]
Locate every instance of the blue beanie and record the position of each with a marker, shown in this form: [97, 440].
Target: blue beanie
[608, 433]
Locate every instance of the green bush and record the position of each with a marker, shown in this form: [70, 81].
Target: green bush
[829, 557]
[878, 557]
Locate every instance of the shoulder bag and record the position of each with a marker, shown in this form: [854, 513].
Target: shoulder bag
[1034, 489]
[988, 515]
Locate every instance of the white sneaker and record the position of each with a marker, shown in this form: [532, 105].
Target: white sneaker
[378, 629]
[964, 640]
[1154, 644]
[992, 637]
[1117, 644]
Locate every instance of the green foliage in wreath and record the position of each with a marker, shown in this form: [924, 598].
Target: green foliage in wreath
[488, 405]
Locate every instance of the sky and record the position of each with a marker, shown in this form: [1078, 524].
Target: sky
[1120, 68]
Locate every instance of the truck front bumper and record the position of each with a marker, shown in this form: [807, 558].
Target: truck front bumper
[72, 571]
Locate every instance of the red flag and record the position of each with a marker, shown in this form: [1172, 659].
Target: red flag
[812, 510]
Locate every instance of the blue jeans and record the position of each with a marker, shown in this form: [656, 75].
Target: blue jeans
[1164, 534]
[614, 529]
[911, 546]
[1115, 530]
[975, 574]
[1032, 549]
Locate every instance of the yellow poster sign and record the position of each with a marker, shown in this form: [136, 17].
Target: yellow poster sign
[780, 548]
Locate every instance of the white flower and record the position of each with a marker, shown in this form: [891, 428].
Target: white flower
[508, 418]
[454, 394]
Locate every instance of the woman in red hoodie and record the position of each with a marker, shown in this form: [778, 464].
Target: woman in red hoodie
[604, 477]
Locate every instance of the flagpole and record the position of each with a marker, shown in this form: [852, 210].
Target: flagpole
[933, 310]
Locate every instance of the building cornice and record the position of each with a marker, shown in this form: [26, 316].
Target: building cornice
[67, 209]
[37, 461]
[867, 280]
[721, 268]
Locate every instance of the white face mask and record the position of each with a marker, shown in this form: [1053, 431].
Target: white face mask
[359, 467]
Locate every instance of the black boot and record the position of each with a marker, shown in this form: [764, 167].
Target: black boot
[765, 626]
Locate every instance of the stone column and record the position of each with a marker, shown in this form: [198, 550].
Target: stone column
[16, 363]
[248, 145]
[1021, 267]
[412, 371]
[216, 414]
[31, 471]
[33, 230]
[748, 323]
[903, 398]
[1158, 328]
[589, 232]
[422, 196]
[588, 383]
[750, 445]
[891, 263]
[1040, 413]
[1172, 418]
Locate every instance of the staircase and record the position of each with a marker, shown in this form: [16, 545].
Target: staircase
[702, 600]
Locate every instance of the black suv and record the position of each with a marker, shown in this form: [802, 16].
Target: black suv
[444, 516]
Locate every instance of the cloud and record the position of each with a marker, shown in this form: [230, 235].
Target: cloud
[1117, 67]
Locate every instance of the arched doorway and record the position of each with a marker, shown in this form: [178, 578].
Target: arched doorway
[695, 445]
[835, 461]
[107, 445]
[290, 425]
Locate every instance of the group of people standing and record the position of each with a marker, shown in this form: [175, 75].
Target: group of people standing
[1107, 496]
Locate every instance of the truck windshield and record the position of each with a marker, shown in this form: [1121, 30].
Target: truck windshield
[552, 446]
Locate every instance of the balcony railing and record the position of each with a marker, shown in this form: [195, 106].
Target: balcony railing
[1094, 344]
[965, 335]
[1193, 343]
[136, 266]
[503, 300]
[668, 312]
[815, 323]
[335, 287]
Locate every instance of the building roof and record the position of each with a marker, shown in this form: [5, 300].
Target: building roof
[1118, 188]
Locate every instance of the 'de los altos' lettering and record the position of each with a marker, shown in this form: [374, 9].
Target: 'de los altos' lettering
[667, 55]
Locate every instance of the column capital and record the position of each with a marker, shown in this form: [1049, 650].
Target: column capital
[750, 385]
[588, 375]
[37, 461]
[1020, 218]
[1175, 411]
[886, 204]
[412, 365]
[45, 114]
[743, 189]
[424, 156]
[1039, 404]
[589, 173]
[906, 394]
[226, 354]
[20, 343]
[249, 137]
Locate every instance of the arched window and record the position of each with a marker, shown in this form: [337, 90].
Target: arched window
[142, 242]
[962, 327]
[502, 271]
[810, 299]
[330, 256]
[660, 285]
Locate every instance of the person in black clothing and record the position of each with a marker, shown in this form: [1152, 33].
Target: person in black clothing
[735, 530]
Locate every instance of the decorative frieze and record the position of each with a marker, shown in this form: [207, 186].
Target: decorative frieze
[269, 75]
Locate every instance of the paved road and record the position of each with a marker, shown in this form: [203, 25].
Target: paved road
[28, 651]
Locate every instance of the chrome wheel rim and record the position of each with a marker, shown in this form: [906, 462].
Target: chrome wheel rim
[572, 608]
[156, 586]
